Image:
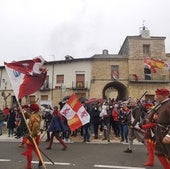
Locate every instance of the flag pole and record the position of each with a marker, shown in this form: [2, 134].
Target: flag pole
[19, 75]
[33, 140]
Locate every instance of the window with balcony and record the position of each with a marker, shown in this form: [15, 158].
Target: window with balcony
[60, 79]
[80, 78]
[146, 50]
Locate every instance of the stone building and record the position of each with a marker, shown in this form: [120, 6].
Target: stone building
[133, 77]
[103, 75]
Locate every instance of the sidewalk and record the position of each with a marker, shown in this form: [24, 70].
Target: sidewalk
[4, 138]
[78, 139]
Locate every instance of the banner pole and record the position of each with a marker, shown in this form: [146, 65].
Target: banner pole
[34, 142]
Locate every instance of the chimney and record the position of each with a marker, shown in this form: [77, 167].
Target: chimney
[105, 52]
[68, 57]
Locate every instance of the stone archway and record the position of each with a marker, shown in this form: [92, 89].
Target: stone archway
[115, 90]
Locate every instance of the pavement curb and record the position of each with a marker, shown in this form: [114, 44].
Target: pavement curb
[78, 139]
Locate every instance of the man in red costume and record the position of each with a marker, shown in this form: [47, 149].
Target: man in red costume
[162, 132]
[149, 126]
[34, 126]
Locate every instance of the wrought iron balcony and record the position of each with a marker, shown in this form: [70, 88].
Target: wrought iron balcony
[79, 85]
[148, 78]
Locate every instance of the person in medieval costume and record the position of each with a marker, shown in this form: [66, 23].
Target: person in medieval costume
[148, 124]
[34, 126]
[162, 131]
[56, 128]
[133, 120]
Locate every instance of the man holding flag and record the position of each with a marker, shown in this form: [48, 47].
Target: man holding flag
[22, 75]
[34, 125]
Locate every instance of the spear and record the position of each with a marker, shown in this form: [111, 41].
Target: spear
[139, 101]
[142, 95]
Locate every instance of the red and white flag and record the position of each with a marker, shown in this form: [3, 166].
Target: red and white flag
[26, 76]
[75, 113]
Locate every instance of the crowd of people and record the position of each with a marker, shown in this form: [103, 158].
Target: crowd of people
[147, 121]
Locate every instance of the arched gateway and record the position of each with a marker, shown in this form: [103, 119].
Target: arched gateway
[115, 90]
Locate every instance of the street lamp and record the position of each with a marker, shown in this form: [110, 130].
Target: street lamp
[52, 78]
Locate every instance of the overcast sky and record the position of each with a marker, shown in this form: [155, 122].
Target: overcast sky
[80, 28]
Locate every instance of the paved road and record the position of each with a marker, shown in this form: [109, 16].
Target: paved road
[93, 155]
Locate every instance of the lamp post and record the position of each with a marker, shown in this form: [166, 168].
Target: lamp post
[52, 79]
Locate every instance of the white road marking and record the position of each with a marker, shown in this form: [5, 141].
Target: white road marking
[96, 166]
[5, 160]
[116, 167]
[56, 163]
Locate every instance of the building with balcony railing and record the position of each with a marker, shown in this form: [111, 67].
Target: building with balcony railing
[104, 75]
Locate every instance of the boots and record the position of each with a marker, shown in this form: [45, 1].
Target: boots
[164, 161]
[39, 164]
[29, 159]
[51, 142]
[62, 142]
[150, 148]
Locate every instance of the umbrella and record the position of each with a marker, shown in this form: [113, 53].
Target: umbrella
[82, 99]
[45, 105]
[94, 100]
[65, 98]
[63, 101]
[42, 108]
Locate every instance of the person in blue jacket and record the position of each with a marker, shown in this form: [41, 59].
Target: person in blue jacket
[56, 128]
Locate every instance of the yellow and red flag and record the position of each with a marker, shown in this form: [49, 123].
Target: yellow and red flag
[154, 64]
[75, 113]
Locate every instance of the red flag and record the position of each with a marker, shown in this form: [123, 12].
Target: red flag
[25, 66]
[136, 77]
[31, 84]
[75, 113]
[26, 76]
[94, 100]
